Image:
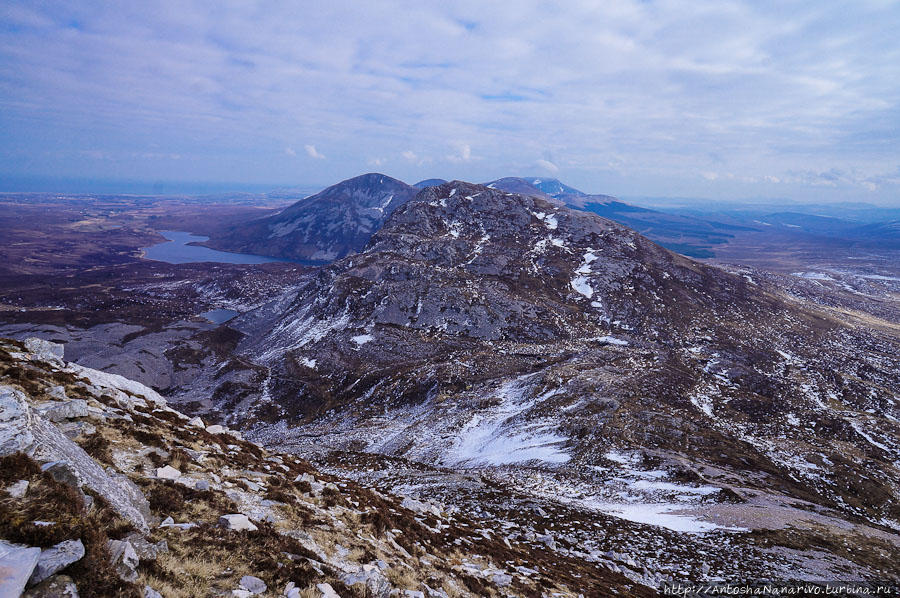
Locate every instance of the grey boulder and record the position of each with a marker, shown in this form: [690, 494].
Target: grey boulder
[44, 350]
[55, 559]
[58, 586]
[252, 584]
[376, 583]
[16, 565]
[124, 558]
[237, 522]
[61, 411]
[22, 429]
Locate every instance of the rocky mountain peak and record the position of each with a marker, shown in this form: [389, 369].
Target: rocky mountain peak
[323, 227]
[465, 263]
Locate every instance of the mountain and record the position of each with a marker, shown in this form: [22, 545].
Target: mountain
[108, 491]
[323, 227]
[517, 185]
[689, 235]
[559, 354]
[429, 183]
[553, 187]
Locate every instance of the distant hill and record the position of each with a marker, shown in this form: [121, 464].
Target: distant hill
[323, 227]
[554, 187]
[429, 183]
[688, 235]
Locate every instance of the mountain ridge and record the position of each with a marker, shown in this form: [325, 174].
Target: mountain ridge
[323, 227]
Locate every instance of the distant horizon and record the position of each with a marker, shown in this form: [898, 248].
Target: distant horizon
[162, 188]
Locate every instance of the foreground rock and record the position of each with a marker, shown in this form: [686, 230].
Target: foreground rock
[261, 521]
[55, 559]
[24, 430]
[16, 566]
[237, 522]
[58, 586]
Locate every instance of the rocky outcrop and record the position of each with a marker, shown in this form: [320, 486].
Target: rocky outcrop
[23, 430]
[263, 521]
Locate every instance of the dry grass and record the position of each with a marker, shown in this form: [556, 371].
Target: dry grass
[49, 500]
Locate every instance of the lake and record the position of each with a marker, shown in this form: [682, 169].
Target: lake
[177, 251]
[219, 316]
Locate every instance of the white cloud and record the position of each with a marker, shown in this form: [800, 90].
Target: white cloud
[312, 152]
[548, 166]
[290, 151]
[463, 153]
[642, 94]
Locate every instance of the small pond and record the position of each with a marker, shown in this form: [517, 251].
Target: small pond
[219, 316]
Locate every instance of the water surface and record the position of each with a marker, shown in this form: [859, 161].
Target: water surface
[177, 251]
[219, 316]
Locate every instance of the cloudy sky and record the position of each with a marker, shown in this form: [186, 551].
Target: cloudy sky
[720, 99]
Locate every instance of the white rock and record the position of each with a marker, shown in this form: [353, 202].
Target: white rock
[124, 558]
[167, 473]
[58, 393]
[216, 429]
[327, 591]
[240, 593]
[151, 593]
[16, 421]
[123, 390]
[201, 485]
[24, 430]
[252, 584]
[55, 559]
[16, 565]
[377, 585]
[196, 422]
[18, 489]
[44, 350]
[237, 522]
[60, 411]
[420, 507]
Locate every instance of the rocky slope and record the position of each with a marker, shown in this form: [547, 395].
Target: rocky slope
[689, 235]
[570, 361]
[323, 227]
[107, 491]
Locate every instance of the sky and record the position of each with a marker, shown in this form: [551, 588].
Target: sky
[722, 99]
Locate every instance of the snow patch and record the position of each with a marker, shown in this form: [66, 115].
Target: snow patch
[492, 437]
[581, 285]
[660, 514]
[362, 339]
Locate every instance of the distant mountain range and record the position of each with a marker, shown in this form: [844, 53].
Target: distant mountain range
[341, 219]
